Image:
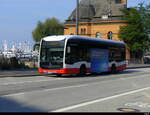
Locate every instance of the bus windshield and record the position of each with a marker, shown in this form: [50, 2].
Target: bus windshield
[51, 54]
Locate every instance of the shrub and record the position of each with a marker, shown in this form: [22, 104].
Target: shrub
[12, 63]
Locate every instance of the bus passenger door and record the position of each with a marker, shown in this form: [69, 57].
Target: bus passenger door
[99, 60]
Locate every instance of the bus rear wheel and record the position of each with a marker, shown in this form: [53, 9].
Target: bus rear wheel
[59, 75]
[82, 70]
[113, 69]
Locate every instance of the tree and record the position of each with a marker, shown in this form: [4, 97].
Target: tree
[51, 26]
[145, 16]
[135, 33]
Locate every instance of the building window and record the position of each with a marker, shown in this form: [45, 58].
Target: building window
[110, 35]
[83, 31]
[71, 34]
[118, 1]
[98, 35]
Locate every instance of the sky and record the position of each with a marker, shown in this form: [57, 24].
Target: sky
[18, 18]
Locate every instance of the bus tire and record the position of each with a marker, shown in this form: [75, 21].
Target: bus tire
[113, 69]
[59, 75]
[82, 70]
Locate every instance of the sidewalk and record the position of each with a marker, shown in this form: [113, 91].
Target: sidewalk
[34, 72]
[134, 66]
[17, 73]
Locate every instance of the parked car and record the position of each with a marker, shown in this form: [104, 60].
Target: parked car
[147, 59]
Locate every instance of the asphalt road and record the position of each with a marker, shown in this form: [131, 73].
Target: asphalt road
[126, 91]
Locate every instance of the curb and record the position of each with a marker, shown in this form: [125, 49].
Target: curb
[21, 75]
[138, 67]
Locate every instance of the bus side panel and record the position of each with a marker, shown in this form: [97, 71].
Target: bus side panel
[99, 60]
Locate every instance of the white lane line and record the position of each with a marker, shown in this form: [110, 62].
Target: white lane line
[15, 83]
[98, 100]
[15, 94]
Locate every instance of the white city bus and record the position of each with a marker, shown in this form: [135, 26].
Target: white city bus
[80, 55]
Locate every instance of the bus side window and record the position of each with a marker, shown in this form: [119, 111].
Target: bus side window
[123, 54]
[112, 55]
[68, 55]
[81, 54]
[117, 55]
[71, 55]
[88, 55]
[68, 49]
[84, 54]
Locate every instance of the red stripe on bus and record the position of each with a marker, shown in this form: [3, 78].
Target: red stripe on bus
[63, 71]
[122, 67]
[119, 68]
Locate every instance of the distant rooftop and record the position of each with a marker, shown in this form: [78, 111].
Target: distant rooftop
[98, 8]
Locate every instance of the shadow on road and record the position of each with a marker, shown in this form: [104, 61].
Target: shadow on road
[10, 105]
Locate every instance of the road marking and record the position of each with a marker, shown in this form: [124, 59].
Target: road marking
[15, 83]
[15, 94]
[98, 100]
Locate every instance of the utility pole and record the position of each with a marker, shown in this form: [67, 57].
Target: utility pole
[77, 18]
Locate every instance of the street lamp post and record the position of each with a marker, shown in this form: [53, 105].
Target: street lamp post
[77, 18]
